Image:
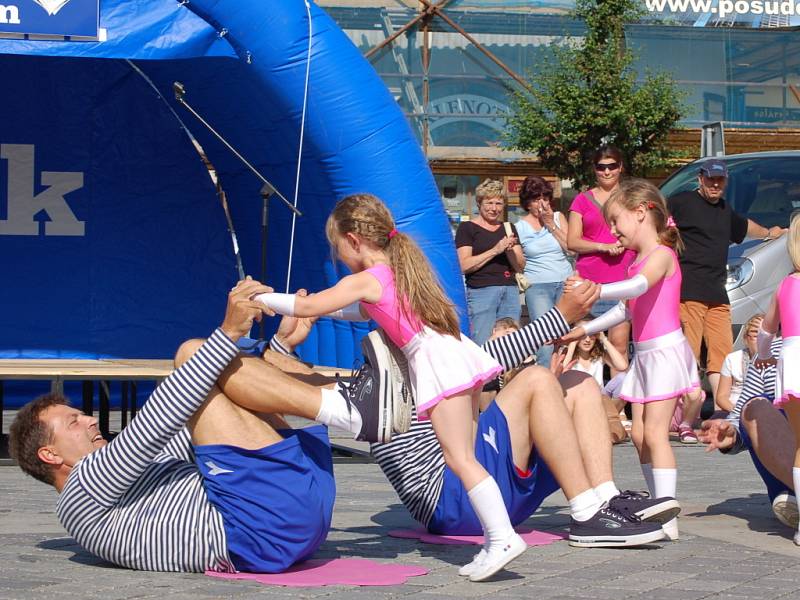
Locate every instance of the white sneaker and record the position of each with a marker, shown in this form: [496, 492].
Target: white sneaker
[671, 530]
[497, 557]
[469, 568]
[784, 507]
[797, 538]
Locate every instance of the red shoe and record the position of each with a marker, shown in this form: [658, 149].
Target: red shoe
[687, 435]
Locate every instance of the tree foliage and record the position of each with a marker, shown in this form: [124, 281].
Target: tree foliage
[587, 94]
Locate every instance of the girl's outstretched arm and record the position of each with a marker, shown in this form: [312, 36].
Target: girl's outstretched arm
[353, 288]
[766, 332]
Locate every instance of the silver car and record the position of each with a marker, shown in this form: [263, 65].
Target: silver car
[765, 187]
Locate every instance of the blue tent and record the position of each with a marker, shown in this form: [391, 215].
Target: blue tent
[113, 239]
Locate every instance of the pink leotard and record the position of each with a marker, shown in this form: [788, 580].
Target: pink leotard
[788, 301]
[657, 311]
[386, 311]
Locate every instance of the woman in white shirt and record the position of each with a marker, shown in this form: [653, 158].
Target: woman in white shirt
[735, 366]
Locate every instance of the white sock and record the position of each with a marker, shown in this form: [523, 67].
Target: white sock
[606, 491]
[665, 482]
[487, 501]
[333, 411]
[647, 471]
[584, 506]
[796, 481]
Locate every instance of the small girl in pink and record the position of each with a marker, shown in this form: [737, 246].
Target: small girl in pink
[663, 366]
[784, 311]
[393, 283]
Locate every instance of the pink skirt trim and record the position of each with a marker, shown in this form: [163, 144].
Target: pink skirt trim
[477, 381]
[693, 387]
[788, 396]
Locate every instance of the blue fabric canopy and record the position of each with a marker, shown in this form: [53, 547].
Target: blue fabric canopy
[113, 239]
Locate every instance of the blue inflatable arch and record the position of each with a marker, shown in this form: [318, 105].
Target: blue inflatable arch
[113, 238]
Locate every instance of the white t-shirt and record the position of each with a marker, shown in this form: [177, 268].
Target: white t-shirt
[735, 367]
[595, 369]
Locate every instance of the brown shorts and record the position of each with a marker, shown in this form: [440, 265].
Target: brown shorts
[712, 323]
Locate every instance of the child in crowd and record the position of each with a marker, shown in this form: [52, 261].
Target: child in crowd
[783, 312]
[593, 352]
[663, 367]
[393, 283]
[735, 365]
[591, 355]
[501, 327]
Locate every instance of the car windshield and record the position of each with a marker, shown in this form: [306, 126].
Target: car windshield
[765, 189]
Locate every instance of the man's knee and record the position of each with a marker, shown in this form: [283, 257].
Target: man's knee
[187, 350]
[581, 383]
[755, 409]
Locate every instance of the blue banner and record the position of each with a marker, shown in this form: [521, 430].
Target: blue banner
[78, 18]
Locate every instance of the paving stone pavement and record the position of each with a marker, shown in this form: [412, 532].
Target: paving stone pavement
[731, 548]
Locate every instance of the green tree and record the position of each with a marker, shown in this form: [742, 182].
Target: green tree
[586, 93]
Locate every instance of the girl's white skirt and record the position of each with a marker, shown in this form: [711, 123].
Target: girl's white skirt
[787, 380]
[441, 366]
[661, 368]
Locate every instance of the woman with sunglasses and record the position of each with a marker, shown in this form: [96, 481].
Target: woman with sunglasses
[601, 258]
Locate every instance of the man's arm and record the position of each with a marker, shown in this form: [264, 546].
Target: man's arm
[754, 230]
[512, 349]
[110, 471]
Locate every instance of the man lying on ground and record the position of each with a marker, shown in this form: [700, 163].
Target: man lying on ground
[195, 482]
[758, 426]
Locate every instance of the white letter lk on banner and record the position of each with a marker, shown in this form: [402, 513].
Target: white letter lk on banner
[23, 205]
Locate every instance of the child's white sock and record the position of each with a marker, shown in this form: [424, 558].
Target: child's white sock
[333, 410]
[665, 481]
[583, 506]
[606, 491]
[647, 471]
[487, 501]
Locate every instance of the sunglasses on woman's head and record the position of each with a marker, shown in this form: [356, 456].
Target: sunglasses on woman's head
[612, 166]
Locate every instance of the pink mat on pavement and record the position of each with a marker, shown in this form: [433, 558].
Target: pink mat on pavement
[531, 537]
[336, 571]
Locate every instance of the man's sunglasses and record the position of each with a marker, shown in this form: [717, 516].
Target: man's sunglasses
[613, 166]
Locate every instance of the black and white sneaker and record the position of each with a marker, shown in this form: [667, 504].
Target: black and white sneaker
[641, 506]
[398, 378]
[609, 529]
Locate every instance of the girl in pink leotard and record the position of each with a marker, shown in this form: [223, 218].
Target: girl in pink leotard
[784, 311]
[663, 367]
[392, 283]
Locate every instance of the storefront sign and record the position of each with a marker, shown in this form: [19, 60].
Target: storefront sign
[75, 18]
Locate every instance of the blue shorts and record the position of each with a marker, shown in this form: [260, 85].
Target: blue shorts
[522, 495]
[276, 503]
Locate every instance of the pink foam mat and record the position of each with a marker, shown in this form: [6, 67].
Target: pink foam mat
[333, 571]
[531, 536]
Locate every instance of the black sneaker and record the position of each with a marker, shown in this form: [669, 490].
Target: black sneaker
[389, 357]
[641, 506]
[361, 393]
[609, 529]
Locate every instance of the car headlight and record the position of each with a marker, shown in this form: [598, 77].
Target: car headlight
[740, 271]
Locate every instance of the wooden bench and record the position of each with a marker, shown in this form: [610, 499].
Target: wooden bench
[57, 371]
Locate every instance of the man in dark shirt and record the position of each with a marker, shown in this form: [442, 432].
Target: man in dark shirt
[708, 225]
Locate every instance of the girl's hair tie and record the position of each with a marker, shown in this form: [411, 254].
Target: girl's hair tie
[391, 234]
[671, 222]
[651, 205]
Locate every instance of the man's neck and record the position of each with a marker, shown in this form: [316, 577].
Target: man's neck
[706, 198]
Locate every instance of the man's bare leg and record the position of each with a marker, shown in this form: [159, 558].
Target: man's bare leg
[251, 383]
[584, 402]
[772, 438]
[533, 403]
